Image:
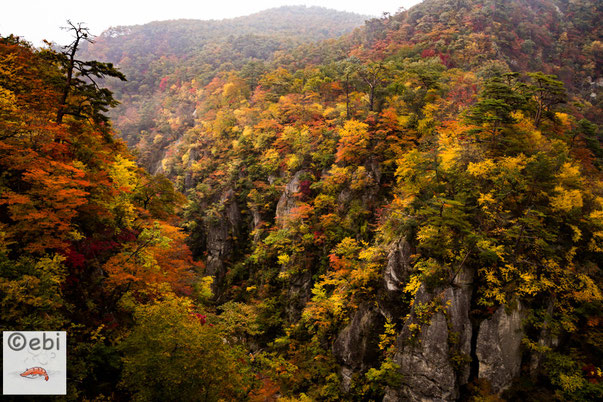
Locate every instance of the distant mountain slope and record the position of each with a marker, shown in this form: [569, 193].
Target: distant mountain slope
[197, 45]
[158, 55]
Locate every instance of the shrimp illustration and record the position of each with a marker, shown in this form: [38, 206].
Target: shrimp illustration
[34, 372]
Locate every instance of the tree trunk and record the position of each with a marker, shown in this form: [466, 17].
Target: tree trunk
[63, 104]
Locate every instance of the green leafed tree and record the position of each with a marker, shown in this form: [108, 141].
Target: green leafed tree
[173, 354]
[81, 94]
[547, 92]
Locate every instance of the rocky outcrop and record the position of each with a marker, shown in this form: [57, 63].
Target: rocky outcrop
[498, 347]
[437, 334]
[256, 222]
[289, 199]
[437, 342]
[396, 275]
[357, 345]
[299, 292]
[193, 155]
[220, 234]
[299, 289]
[398, 267]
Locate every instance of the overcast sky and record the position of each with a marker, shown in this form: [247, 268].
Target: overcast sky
[35, 20]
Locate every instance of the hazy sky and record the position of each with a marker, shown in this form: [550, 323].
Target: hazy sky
[35, 20]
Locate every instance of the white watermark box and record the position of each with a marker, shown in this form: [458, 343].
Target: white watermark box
[34, 362]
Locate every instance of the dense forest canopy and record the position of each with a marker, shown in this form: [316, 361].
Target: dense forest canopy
[159, 55]
[409, 211]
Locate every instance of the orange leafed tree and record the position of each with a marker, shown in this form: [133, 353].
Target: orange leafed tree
[158, 256]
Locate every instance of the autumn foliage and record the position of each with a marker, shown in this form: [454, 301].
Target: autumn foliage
[327, 183]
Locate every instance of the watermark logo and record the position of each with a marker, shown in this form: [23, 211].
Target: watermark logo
[34, 362]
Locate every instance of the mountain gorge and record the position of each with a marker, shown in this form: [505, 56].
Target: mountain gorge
[409, 211]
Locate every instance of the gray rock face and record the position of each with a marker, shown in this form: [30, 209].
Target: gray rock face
[375, 170]
[299, 292]
[395, 277]
[219, 242]
[289, 199]
[397, 270]
[498, 347]
[426, 366]
[357, 345]
[299, 289]
[193, 155]
[344, 197]
[256, 222]
[435, 361]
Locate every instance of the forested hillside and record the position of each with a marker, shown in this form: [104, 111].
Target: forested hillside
[411, 211]
[161, 56]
